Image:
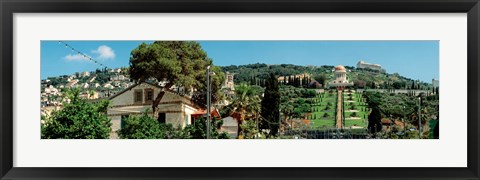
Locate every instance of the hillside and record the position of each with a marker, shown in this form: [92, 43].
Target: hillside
[361, 77]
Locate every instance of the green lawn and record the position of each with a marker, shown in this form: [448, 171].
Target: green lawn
[355, 122]
[322, 123]
[355, 103]
[319, 115]
[360, 114]
[360, 106]
[319, 107]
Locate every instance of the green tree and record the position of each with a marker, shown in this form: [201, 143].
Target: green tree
[245, 103]
[78, 120]
[374, 120]
[287, 110]
[250, 130]
[198, 129]
[271, 105]
[321, 78]
[180, 63]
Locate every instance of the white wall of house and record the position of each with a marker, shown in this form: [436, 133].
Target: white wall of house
[230, 125]
[116, 123]
[188, 111]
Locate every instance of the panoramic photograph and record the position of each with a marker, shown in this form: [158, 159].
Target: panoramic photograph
[239, 89]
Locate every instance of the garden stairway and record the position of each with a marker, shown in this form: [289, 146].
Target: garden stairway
[339, 123]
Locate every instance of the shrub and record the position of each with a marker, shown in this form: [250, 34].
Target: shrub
[354, 114]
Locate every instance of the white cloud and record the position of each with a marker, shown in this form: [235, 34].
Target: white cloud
[75, 57]
[104, 52]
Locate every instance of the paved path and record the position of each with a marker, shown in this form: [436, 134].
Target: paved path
[339, 109]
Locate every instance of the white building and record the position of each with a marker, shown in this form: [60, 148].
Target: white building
[118, 78]
[85, 85]
[116, 83]
[125, 85]
[90, 95]
[85, 74]
[92, 79]
[435, 83]
[95, 85]
[341, 80]
[116, 70]
[50, 90]
[108, 85]
[72, 83]
[229, 81]
[365, 65]
[135, 100]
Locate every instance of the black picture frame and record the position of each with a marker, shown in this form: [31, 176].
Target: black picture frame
[9, 7]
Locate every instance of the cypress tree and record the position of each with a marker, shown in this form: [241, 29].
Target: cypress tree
[374, 120]
[271, 105]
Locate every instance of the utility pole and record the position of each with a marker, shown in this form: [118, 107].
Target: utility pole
[419, 117]
[256, 122]
[208, 102]
[404, 123]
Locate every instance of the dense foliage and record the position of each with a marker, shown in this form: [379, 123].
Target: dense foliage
[145, 127]
[404, 105]
[250, 130]
[293, 103]
[78, 120]
[198, 130]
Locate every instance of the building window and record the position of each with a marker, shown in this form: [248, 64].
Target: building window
[148, 95]
[162, 118]
[138, 96]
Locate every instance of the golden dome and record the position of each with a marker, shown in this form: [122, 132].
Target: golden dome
[339, 68]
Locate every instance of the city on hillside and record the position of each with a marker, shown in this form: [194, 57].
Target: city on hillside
[175, 90]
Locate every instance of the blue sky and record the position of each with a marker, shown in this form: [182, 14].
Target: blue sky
[412, 59]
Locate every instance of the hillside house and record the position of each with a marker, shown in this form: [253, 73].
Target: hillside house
[135, 100]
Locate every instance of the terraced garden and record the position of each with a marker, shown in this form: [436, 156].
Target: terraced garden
[356, 110]
[323, 110]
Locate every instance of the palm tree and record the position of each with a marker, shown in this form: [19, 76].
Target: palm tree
[287, 110]
[245, 104]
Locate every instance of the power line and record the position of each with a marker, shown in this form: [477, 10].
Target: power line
[82, 54]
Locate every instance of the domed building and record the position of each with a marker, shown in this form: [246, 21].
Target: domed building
[341, 80]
